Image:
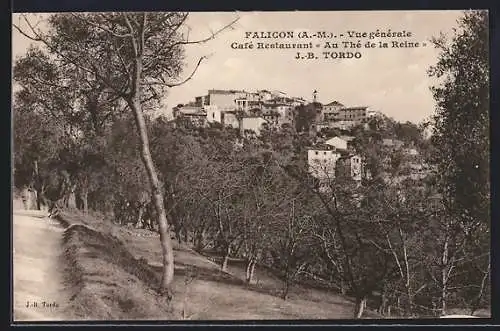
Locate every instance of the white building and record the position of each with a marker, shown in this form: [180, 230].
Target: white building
[214, 114]
[322, 162]
[230, 119]
[254, 124]
[371, 113]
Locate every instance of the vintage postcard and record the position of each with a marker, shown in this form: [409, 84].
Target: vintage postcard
[327, 165]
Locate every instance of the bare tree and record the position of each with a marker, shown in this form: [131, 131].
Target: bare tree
[137, 56]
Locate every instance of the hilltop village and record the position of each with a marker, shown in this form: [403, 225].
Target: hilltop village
[335, 150]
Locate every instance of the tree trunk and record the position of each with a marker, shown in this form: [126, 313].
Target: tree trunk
[286, 288]
[29, 198]
[359, 307]
[84, 196]
[38, 200]
[444, 276]
[198, 241]
[409, 304]
[250, 270]
[37, 186]
[444, 294]
[178, 236]
[225, 260]
[247, 270]
[343, 288]
[477, 302]
[383, 302]
[71, 198]
[157, 195]
[140, 223]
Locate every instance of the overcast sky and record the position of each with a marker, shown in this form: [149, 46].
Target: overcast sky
[393, 81]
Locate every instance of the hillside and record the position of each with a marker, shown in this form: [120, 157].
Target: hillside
[201, 290]
[111, 272]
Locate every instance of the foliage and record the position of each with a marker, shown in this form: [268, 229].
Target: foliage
[419, 246]
[461, 142]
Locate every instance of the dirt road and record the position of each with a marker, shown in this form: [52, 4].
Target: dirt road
[37, 283]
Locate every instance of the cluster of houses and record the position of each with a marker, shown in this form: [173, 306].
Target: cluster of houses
[337, 157]
[251, 112]
[243, 110]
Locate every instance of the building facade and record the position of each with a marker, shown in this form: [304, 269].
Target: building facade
[322, 161]
[358, 115]
[350, 166]
[214, 115]
[230, 119]
[343, 117]
[252, 124]
[192, 116]
[331, 111]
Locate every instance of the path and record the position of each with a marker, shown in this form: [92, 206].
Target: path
[36, 267]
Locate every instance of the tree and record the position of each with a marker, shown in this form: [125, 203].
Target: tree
[181, 161]
[409, 133]
[461, 136]
[400, 210]
[293, 245]
[305, 115]
[70, 97]
[137, 56]
[461, 122]
[220, 186]
[277, 219]
[259, 208]
[37, 143]
[346, 234]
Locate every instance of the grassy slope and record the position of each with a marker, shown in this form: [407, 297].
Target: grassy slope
[113, 274]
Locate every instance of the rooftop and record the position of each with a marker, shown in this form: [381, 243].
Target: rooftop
[322, 147]
[214, 91]
[335, 103]
[347, 138]
[356, 107]
[190, 110]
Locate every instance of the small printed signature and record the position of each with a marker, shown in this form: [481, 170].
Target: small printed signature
[41, 304]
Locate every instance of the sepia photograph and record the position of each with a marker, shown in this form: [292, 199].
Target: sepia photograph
[250, 166]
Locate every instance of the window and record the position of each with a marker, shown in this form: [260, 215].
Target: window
[324, 153]
[213, 115]
[316, 152]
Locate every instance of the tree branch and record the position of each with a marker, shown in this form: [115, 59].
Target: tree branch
[89, 22]
[35, 38]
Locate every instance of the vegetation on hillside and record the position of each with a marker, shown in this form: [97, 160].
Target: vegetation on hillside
[404, 247]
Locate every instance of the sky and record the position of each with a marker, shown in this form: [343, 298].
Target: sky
[391, 80]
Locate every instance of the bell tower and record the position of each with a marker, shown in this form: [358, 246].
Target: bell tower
[315, 96]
